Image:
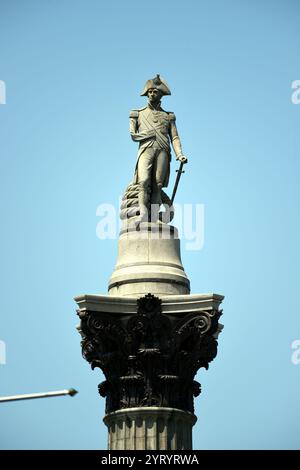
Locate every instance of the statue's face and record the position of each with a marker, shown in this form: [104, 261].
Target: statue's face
[154, 95]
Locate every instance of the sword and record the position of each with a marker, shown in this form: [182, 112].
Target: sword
[179, 173]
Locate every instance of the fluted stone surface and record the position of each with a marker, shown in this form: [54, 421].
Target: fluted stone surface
[150, 428]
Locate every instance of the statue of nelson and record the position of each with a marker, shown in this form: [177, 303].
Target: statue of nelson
[155, 129]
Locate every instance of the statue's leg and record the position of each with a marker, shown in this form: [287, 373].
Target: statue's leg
[159, 176]
[144, 171]
[160, 172]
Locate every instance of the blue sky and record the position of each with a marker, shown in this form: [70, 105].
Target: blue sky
[73, 70]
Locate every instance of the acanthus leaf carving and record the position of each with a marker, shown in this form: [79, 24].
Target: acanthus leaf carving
[149, 359]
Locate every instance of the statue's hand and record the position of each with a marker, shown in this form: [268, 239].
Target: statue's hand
[182, 159]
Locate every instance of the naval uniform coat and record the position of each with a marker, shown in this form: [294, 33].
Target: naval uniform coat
[153, 128]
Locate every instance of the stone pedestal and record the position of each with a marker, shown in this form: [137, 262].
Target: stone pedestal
[151, 428]
[149, 261]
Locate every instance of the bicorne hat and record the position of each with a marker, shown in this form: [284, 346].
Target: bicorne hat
[158, 83]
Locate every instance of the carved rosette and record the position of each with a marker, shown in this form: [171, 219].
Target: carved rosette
[150, 358]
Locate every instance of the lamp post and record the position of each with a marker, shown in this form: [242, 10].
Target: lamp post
[71, 392]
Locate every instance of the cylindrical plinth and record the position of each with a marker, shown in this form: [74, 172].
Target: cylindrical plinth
[150, 428]
[149, 261]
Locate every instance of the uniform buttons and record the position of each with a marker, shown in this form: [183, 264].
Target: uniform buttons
[155, 116]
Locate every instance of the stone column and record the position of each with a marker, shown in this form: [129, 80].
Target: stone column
[149, 349]
[150, 428]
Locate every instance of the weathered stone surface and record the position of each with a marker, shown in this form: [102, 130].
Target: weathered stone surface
[172, 304]
[149, 261]
[150, 358]
[150, 428]
[155, 130]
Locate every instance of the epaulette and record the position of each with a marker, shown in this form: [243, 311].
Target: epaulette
[171, 115]
[134, 113]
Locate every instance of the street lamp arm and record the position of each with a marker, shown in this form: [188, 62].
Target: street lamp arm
[71, 392]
